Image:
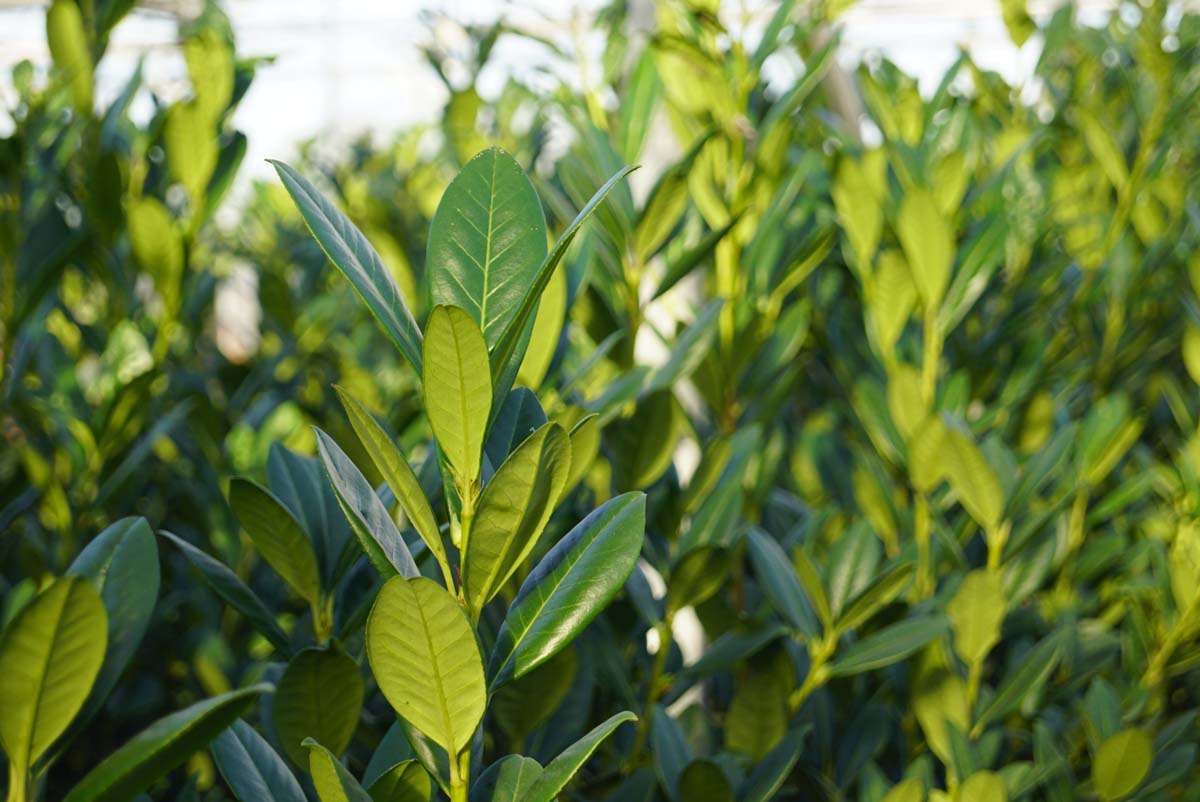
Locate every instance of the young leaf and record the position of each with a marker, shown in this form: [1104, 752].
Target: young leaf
[547, 330]
[277, 536]
[976, 613]
[972, 478]
[350, 253]
[162, 746]
[50, 655]
[559, 771]
[585, 445]
[984, 786]
[486, 241]
[226, 584]
[319, 695]
[251, 768]
[425, 658]
[1122, 762]
[779, 582]
[928, 243]
[569, 587]
[67, 39]
[398, 474]
[369, 519]
[458, 388]
[334, 783]
[889, 645]
[513, 511]
[506, 780]
[403, 782]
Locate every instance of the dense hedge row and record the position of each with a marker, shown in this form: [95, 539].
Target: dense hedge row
[854, 453]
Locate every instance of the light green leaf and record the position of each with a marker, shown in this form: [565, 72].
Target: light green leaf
[277, 536]
[976, 613]
[398, 474]
[458, 388]
[559, 772]
[1016, 18]
[68, 43]
[547, 329]
[211, 69]
[191, 144]
[585, 445]
[50, 655]
[928, 243]
[858, 208]
[893, 296]
[486, 241]
[905, 403]
[162, 746]
[403, 782]
[334, 783]
[513, 511]
[814, 587]
[983, 786]
[889, 645]
[569, 587]
[506, 780]
[320, 695]
[910, 790]
[426, 661]
[350, 253]
[1121, 763]
[972, 478]
[926, 465]
[157, 245]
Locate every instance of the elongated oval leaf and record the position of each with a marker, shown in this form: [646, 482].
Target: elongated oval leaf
[889, 645]
[226, 584]
[882, 590]
[765, 780]
[300, 483]
[334, 783]
[513, 511]
[319, 695]
[1027, 675]
[369, 519]
[559, 772]
[423, 652]
[972, 477]
[162, 746]
[1122, 762]
[396, 471]
[458, 387]
[928, 243]
[350, 253]
[49, 657]
[277, 536]
[547, 331]
[569, 587]
[251, 768]
[403, 782]
[976, 613]
[779, 582]
[506, 780]
[486, 241]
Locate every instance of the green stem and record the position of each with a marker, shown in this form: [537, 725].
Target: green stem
[660, 663]
[818, 674]
[922, 531]
[929, 362]
[1158, 664]
[18, 781]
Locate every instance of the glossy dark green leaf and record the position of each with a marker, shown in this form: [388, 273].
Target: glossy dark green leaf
[1028, 674]
[277, 536]
[520, 416]
[770, 773]
[486, 241]
[880, 593]
[251, 768]
[889, 645]
[404, 782]
[369, 519]
[350, 252]
[226, 584]
[779, 582]
[569, 587]
[319, 695]
[506, 780]
[162, 746]
[562, 769]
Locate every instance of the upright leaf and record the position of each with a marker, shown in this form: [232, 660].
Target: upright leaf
[973, 479]
[559, 771]
[423, 652]
[928, 243]
[277, 536]
[976, 613]
[403, 782]
[506, 780]
[251, 768]
[458, 387]
[1121, 763]
[319, 695]
[779, 582]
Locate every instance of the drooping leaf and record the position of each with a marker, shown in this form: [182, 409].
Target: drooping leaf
[558, 772]
[458, 388]
[425, 658]
[162, 746]
[350, 253]
[569, 587]
[277, 536]
[251, 768]
[319, 695]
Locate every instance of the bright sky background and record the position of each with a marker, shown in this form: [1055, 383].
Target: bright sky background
[347, 66]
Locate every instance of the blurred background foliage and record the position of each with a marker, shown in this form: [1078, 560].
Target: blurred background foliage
[839, 329]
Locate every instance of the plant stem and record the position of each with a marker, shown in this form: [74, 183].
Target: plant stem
[819, 655]
[17, 783]
[1158, 664]
[660, 663]
[922, 531]
[929, 361]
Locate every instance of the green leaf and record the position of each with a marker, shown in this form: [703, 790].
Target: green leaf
[880, 593]
[889, 645]
[644, 443]
[513, 511]
[757, 718]
[703, 781]
[458, 388]
[211, 69]
[558, 773]
[277, 536]
[976, 613]
[68, 42]
[769, 774]
[858, 207]
[506, 780]
[191, 144]
[251, 768]
[403, 782]
[698, 575]
[928, 243]
[779, 582]
[426, 661]
[637, 106]
[689, 349]
[1121, 763]
[983, 786]
[585, 445]
[226, 584]
[972, 477]
[910, 790]
[1030, 671]
[505, 348]
[680, 266]
[814, 587]
[350, 253]
[122, 564]
[319, 695]
[334, 783]
[570, 586]
[369, 519]
[157, 245]
[300, 483]
[162, 746]
[50, 655]
[523, 705]
[398, 474]
[547, 330]
[892, 299]
[1016, 18]
[486, 241]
